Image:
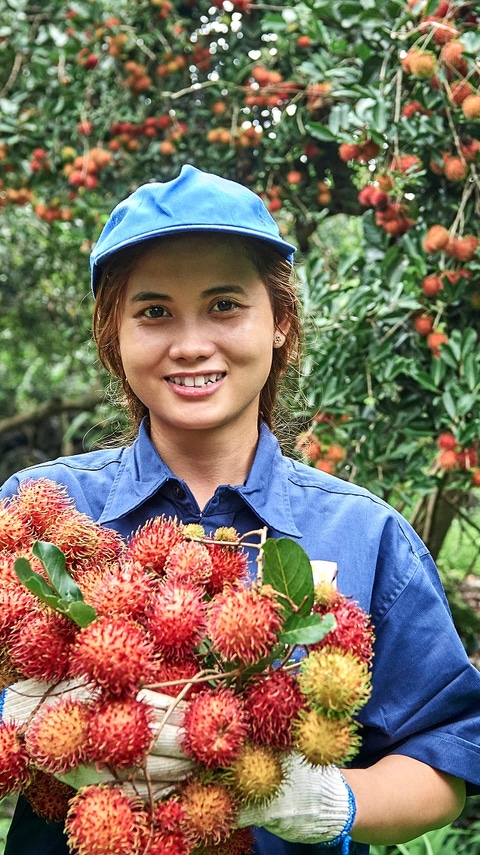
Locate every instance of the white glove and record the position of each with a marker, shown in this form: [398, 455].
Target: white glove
[315, 805]
[23, 699]
[166, 764]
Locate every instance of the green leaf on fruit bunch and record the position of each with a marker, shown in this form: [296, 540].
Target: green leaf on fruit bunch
[308, 629]
[53, 560]
[63, 594]
[35, 583]
[287, 568]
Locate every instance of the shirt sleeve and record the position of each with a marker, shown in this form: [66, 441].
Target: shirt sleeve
[425, 699]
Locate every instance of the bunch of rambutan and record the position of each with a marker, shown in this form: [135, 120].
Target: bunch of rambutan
[92, 621]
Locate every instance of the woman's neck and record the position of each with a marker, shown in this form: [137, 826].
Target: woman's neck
[204, 462]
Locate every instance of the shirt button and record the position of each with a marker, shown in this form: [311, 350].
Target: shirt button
[179, 491]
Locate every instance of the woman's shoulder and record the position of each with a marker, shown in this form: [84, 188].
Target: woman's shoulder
[86, 477]
[303, 475]
[88, 461]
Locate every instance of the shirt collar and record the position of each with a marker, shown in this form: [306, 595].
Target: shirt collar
[267, 488]
[142, 473]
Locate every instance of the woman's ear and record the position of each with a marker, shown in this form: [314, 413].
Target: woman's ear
[282, 327]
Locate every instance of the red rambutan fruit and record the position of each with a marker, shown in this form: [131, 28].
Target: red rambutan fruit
[243, 624]
[324, 740]
[365, 196]
[463, 249]
[216, 726]
[421, 63]
[120, 732]
[48, 796]
[353, 632]
[42, 501]
[7, 572]
[448, 460]
[229, 565]
[471, 106]
[123, 589]
[468, 458]
[240, 842]
[15, 530]
[55, 738]
[447, 441]
[436, 238]
[15, 603]
[460, 90]
[102, 821]
[405, 164]
[334, 681]
[452, 55]
[115, 653]
[413, 108]
[152, 543]
[189, 561]
[165, 832]
[42, 644]
[423, 324]
[435, 340]
[307, 444]
[368, 150]
[171, 675]
[454, 168]
[257, 773]
[273, 702]
[8, 673]
[81, 539]
[325, 466]
[210, 811]
[348, 151]
[176, 617]
[432, 284]
[14, 759]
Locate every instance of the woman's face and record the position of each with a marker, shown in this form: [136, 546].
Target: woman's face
[196, 336]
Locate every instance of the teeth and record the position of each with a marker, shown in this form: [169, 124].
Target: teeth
[199, 380]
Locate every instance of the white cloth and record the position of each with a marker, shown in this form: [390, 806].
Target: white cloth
[315, 805]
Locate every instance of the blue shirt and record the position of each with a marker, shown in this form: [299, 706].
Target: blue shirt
[425, 701]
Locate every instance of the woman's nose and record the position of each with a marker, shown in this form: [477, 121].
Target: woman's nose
[191, 342]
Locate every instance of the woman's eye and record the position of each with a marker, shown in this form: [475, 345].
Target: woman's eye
[224, 306]
[155, 312]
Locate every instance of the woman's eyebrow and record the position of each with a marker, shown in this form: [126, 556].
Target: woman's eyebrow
[145, 296]
[223, 289]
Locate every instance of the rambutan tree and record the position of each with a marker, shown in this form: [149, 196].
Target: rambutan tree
[359, 125]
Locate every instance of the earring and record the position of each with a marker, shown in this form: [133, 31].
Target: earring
[278, 340]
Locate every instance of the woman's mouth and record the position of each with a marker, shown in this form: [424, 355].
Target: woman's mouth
[196, 381]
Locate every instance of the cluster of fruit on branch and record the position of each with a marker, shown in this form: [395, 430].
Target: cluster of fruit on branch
[169, 611]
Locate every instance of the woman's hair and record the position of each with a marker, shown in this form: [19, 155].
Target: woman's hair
[274, 271]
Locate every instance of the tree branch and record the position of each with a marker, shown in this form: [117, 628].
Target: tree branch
[51, 408]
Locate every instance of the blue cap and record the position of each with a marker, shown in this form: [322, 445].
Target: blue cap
[194, 201]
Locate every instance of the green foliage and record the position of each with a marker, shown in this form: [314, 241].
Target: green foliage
[314, 105]
[442, 841]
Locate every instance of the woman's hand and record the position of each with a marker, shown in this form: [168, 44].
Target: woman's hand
[315, 805]
[166, 764]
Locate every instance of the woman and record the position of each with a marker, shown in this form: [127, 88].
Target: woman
[196, 316]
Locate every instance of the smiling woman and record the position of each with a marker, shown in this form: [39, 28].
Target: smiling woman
[196, 315]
